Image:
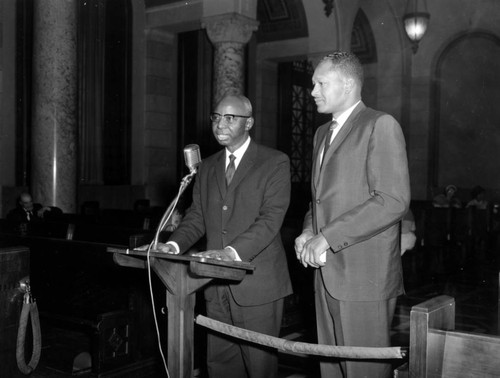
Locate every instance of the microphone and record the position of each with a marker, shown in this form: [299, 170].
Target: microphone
[192, 157]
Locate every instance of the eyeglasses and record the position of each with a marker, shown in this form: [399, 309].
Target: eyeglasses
[228, 118]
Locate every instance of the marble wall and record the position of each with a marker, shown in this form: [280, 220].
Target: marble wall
[54, 92]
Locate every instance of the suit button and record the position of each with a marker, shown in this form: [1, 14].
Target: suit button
[224, 232]
[318, 201]
[339, 247]
[224, 207]
[346, 244]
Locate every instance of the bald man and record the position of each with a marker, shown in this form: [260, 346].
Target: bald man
[240, 198]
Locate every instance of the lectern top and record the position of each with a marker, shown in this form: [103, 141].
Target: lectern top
[183, 257]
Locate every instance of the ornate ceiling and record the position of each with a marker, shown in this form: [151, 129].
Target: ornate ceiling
[286, 19]
[280, 19]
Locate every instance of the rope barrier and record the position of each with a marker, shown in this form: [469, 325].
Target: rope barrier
[29, 308]
[301, 347]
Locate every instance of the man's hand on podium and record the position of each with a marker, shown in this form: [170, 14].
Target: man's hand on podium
[227, 254]
[161, 247]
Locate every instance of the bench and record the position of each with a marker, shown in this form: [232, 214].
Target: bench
[79, 288]
[438, 350]
[77, 228]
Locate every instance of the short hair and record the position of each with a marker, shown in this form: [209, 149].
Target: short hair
[346, 62]
[238, 97]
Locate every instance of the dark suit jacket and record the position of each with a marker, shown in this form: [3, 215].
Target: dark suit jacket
[358, 198]
[246, 216]
[19, 215]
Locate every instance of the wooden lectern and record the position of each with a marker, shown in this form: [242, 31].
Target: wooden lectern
[183, 276]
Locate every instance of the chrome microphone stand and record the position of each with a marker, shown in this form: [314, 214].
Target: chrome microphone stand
[186, 180]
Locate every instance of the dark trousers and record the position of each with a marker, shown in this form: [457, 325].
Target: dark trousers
[349, 323]
[230, 357]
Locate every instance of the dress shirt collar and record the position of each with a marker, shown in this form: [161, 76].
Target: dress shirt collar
[238, 153]
[340, 122]
[343, 117]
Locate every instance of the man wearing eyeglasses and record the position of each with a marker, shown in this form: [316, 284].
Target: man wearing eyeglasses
[240, 198]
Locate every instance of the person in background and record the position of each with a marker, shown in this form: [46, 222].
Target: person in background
[448, 198]
[240, 197]
[408, 228]
[481, 222]
[360, 192]
[478, 199]
[174, 221]
[26, 212]
[494, 241]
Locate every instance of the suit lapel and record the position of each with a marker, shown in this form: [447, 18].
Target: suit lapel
[344, 132]
[220, 172]
[339, 138]
[244, 166]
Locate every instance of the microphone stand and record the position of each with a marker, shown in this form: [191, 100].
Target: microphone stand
[168, 213]
[154, 246]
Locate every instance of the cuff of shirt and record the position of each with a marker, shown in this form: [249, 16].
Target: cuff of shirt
[236, 253]
[175, 245]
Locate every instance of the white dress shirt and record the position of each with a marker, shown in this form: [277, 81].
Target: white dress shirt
[238, 154]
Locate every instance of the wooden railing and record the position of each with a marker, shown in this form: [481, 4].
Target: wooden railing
[438, 350]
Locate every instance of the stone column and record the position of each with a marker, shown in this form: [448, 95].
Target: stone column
[54, 126]
[229, 33]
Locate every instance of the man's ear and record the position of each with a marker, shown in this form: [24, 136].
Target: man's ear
[349, 84]
[249, 123]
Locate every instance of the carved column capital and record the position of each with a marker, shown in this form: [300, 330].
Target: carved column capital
[229, 27]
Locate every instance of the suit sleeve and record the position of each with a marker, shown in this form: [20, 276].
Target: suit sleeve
[388, 184]
[273, 207]
[308, 223]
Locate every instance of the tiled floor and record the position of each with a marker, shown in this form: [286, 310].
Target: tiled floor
[428, 273]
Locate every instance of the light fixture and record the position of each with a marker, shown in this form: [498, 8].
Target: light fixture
[416, 20]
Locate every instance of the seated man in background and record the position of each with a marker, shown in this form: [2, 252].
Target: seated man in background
[26, 212]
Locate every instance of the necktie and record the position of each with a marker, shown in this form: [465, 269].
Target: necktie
[230, 169]
[329, 134]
